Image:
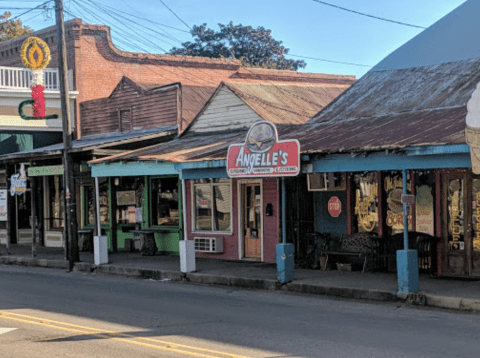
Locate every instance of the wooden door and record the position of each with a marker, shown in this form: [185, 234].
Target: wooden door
[252, 220]
[457, 224]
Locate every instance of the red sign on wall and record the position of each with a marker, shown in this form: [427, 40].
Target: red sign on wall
[334, 206]
[262, 155]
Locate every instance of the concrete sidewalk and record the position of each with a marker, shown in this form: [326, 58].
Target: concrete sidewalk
[434, 292]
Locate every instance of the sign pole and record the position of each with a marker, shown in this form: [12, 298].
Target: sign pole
[407, 260]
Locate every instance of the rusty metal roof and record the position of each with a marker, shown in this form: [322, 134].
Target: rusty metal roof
[423, 106]
[426, 127]
[406, 90]
[193, 100]
[290, 103]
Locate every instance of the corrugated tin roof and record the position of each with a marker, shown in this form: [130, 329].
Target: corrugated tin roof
[193, 100]
[286, 103]
[406, 90]
[96, 141]
[190, 147]
[397, 130]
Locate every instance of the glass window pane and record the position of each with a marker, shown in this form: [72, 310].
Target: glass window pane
[165, 202]
[393, 189]
[104, 202]
[129, 198]
[476, 214]
[455, 210]
[366, 202]
[203, 207]
[222, 207]
[56, 203]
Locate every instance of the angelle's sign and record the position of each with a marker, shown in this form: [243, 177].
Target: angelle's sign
[262, 155]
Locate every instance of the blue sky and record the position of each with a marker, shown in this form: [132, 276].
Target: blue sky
[306, 27]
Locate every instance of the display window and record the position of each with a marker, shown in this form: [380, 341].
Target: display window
[392, 191]
[425, 202]
[164, 204]
[104, 199]
[3, 201]
[56, 203]
[366, 202]
[212, 205]
[129, 198]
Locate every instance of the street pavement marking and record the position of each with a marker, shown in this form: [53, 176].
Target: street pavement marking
[117, 336]
[6, 330]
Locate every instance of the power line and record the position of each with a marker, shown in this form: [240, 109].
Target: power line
[175, 15]
[26, 12]
[331, 61]
[368, 15]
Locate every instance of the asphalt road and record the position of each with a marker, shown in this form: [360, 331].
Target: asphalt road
[58, 314]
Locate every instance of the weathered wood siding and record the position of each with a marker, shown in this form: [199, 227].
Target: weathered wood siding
[148, 109]
[225, 112]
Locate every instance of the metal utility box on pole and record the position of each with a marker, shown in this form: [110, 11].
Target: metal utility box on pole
[70, 208]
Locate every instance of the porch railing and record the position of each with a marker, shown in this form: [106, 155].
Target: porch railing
[21, 78]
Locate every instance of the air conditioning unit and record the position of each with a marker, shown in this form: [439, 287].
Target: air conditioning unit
[209, 244]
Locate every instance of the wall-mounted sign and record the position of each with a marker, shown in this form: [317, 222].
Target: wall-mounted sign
[44, 171]
[334, 206]
[3, 205]
[262, 155]
[18, 182]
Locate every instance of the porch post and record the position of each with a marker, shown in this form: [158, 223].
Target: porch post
[407, 260]
[33, 215]
[100, 248]
[186, 247]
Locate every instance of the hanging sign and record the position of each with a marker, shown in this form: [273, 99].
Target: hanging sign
[3, 205]
[18, 182]
[263, 155]
[334, 206]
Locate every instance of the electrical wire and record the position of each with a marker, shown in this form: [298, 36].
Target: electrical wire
[368, 15]
[175, 15]
[26, 12]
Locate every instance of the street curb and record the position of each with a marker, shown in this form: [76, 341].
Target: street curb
[453, 303]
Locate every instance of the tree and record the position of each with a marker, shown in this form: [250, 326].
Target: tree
[253, 47]
[13, 28]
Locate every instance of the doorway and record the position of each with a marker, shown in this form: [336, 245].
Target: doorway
[461, 224]
[252, 220]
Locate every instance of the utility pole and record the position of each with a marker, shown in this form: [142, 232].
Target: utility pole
[70, 206]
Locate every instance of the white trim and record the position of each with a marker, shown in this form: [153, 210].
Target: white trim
[241, 238]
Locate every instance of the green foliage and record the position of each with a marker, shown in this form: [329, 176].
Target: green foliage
[253, 47]
[11, 29]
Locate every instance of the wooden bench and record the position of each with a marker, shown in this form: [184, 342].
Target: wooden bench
[355, 245]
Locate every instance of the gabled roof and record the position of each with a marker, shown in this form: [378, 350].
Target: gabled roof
[292, 103]
[277, 102]
[406, 90]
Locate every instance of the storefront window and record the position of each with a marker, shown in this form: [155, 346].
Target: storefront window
[455, 208]
[212, 204]
[56, 206]
[476, 213]
[424, 202]
[164, 205]
[129, 198]
[366, 202]
[3, 201]
[104, 202]
[393, 189]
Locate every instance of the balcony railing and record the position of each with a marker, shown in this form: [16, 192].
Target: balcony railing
[21, 78]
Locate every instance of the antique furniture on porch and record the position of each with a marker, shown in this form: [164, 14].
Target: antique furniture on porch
[357, 245]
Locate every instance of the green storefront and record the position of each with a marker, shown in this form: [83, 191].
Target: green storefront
[136, 196]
